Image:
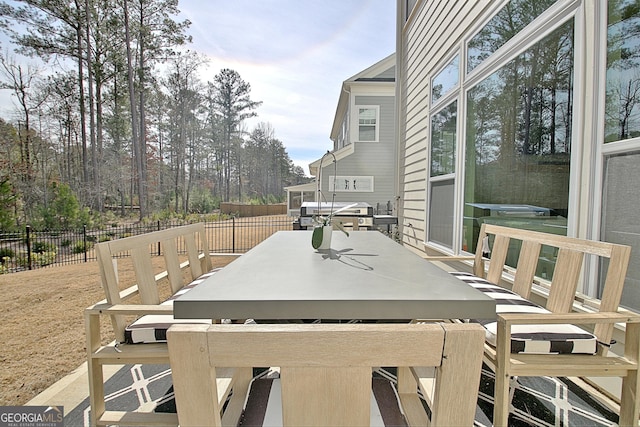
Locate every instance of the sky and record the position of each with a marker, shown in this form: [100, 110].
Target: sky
[295, 54]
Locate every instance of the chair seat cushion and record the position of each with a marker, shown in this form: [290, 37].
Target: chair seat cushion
[538, 339]
[152, 328]
[264, 404]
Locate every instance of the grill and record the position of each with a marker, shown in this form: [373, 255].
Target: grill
[362, 211]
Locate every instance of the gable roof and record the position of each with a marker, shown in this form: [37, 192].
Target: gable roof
[378, 70]
[382, 71]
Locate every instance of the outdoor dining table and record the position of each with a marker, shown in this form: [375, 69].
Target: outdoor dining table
[364, 276]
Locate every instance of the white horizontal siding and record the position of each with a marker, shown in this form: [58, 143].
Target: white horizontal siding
[377, 159]
[428, 41]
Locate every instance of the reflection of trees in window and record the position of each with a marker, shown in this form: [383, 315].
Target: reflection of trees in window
[623, 65]
[511, 19]
[443, 137]
[546, 94]
[519, 129]
[483, 124]
[525, 107]
[446, 79]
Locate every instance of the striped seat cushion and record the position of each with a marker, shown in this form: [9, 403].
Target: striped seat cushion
[152, 328]
[540, 339]
[264, 404]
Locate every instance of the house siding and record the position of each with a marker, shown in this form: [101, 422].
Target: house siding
[427, 41]
[388, 74]
[438, 29]
[377, 159]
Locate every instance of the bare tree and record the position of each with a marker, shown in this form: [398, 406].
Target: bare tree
[21, 81]
[231, 98]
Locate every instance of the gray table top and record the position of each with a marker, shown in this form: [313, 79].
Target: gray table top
[364, 276]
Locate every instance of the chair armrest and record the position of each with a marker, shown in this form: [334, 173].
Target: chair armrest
[574, 318]
[449, 257]
[133, 309]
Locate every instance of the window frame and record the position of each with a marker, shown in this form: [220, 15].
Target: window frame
[550, 20]
[376, 125]
[455, 88]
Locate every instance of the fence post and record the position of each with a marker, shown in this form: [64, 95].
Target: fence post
[233, 234]
[158, 242]
[84, 240]
[29, 247]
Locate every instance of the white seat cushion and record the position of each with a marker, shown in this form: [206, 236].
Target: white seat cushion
[546, 339]
[152, 328]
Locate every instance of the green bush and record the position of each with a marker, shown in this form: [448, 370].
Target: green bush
[38, 259]
[8, 201]
[6, 253]
[203, 201]
[21, 260]
[215, 217]
[80, 248]
[39, 247]
[43, 258]
[62, 210]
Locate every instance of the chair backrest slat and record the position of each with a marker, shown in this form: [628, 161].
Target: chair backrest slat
[192, 254]
[564, 283]
[172, 262]
[526, 268]
[145, 277]
[498, 257]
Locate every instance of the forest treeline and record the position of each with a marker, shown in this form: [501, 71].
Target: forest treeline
[118, 115]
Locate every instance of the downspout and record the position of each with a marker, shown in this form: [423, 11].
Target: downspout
[319, 180]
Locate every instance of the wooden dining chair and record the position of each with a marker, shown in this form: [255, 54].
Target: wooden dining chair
[326, 369]
[138, 317]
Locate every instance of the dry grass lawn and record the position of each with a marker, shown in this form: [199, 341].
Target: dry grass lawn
[42, 326]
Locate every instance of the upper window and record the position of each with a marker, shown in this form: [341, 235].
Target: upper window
[342, 139]
[410, 4]
[446, 79]
[622, 120]
[443, 140]
[368, 123]
[512, 18]
[442, 180]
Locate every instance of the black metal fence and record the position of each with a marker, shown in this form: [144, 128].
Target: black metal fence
[30, 249]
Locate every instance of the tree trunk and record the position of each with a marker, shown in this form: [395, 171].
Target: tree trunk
[83, 119]
[143, 125]
[134, 116]
[96, 199]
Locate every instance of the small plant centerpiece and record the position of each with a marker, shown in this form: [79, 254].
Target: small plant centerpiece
[323, 228]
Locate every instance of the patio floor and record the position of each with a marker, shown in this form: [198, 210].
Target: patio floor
[537, 401]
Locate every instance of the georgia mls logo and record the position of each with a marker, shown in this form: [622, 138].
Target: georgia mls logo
[31, 416]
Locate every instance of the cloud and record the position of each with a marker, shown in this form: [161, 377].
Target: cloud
[295, 54]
